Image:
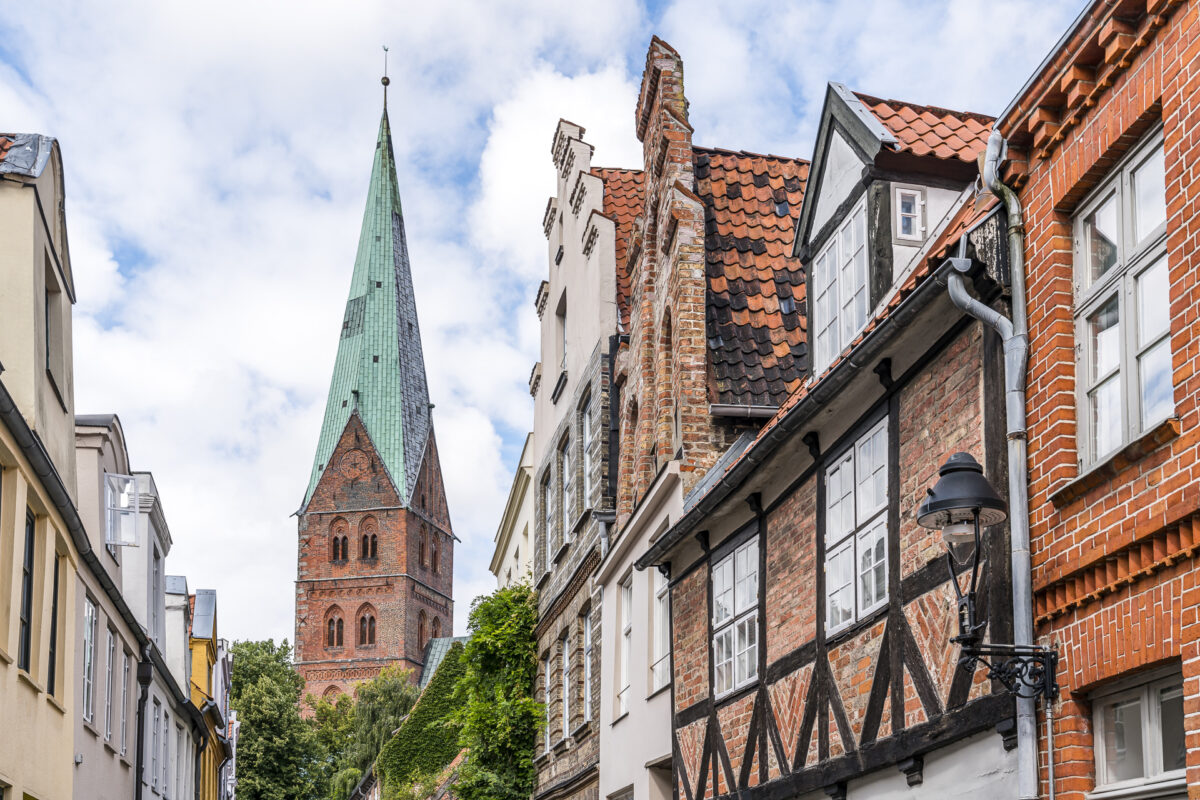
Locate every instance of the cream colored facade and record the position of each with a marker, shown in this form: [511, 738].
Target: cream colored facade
[635, 710]
[37, 476]
[512, 556]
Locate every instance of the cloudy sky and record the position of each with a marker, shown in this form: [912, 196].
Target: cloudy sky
[217, 158]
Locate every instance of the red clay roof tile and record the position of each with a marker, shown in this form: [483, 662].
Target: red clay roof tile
[624, 198]
[929, 130]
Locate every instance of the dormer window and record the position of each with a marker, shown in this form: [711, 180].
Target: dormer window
[840, 279]
[909, 205]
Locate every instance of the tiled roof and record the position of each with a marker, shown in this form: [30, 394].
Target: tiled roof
[925, 130]
[755, 328]
[435, 653]
[624, 199]
[6, 142]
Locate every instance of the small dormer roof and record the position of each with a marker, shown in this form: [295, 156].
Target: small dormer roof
[929, 130]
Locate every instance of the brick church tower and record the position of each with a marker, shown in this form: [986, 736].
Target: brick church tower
[376, 551]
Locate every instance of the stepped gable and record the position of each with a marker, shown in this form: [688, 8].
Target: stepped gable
[624, 199]
[929, 130]
[755, 316]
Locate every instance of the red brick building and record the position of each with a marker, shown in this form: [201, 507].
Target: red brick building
[376, 551]
[1103, 146]
[811, 617]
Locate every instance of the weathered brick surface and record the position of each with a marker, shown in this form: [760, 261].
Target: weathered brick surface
[355, 498]
[1114, 576]
[689, 643]
[943, 411]
[791, 563]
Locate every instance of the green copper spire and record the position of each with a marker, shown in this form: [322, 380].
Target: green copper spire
[380, 370]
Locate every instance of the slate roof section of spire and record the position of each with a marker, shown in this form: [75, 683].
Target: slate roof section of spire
[379, 373]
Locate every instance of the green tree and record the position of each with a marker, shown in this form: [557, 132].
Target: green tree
[332, 726]
[380, 705]
[278, 757]
[494, 697]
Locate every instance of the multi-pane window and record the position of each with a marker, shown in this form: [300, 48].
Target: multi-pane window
[626, 612]
[909, 205]
[108, 683]
[840, 277]
[856, 530]
[89, 658]
[120, 510]
[735, 619]
[548, 515]
[24, 640]
[1122, 319]
[566, 682]
[546, 683]
[587, 436]
[154, 744]
[166, 752]
[587, 666]
[52, 666]
[660, 644]
[566, 463]
[124, 701]
[1139, 737]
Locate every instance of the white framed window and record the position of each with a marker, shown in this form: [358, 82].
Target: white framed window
[908, 206]
[1122, 305]
[626, 613]
[856, 530]
[154, 744]
[587, 436]
[840, 279]
[166, 752]
[587, 666]
[735, 619]
[548, 516]
[546, 682]
[124, 701]
[565, 669]
[1139, 738]
[108, 684]
[89, 659]
[179, 759]
[567, 464]
[660, 652]
[120, 511]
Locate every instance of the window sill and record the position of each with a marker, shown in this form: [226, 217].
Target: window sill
[580, 521]
[109, 747]
[1118, 462]
[659, 690]
[4, 656]
[52, 700]
[27, 679]
[543, 580]
[1146, 790]
[541, 758]
[736, 694]
[91, 728]
[559, 385]
[561, 746]
[619, 717]
[853, 629]
[562, 552]
[582, 732]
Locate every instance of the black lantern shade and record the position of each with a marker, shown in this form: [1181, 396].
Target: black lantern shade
[961, 490]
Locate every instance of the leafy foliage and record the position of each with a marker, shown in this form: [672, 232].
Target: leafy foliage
[494, 698]
[428, 739]
[278, 758]
[380, 706]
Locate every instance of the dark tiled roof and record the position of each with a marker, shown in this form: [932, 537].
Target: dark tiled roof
[929, 130]
[756, 329]
[624, 198]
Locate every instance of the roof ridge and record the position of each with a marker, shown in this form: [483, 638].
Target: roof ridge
[749, 153]
[869, 98]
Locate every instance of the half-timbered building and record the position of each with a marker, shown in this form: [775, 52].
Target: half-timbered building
[812, 618]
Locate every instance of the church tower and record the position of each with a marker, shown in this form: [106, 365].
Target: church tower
[376, 551]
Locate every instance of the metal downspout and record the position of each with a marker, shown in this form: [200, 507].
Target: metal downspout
[145, 674]
[1015, 336]
[202, 740]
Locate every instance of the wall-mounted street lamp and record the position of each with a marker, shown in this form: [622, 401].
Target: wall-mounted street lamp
[960, 504]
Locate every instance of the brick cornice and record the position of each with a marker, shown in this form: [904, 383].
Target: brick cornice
[560, 603]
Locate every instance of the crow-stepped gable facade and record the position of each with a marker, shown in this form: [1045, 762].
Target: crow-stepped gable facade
[375, 558]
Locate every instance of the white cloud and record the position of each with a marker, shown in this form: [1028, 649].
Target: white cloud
[217, 158]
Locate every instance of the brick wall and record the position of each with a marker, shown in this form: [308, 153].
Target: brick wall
[1114, 573]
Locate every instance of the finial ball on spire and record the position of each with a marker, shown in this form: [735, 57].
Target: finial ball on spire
[385, 80]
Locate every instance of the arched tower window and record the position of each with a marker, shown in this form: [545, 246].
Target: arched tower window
[339, 633]
[345, 548]
[338, 540]
[436, 629]
[362, 629]
[374, 546]
[334, 627]
[366, 625]
[366, 547]
[435, 562]
[421, 547]
[421, 630]
[332, 636]
[371, 630]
